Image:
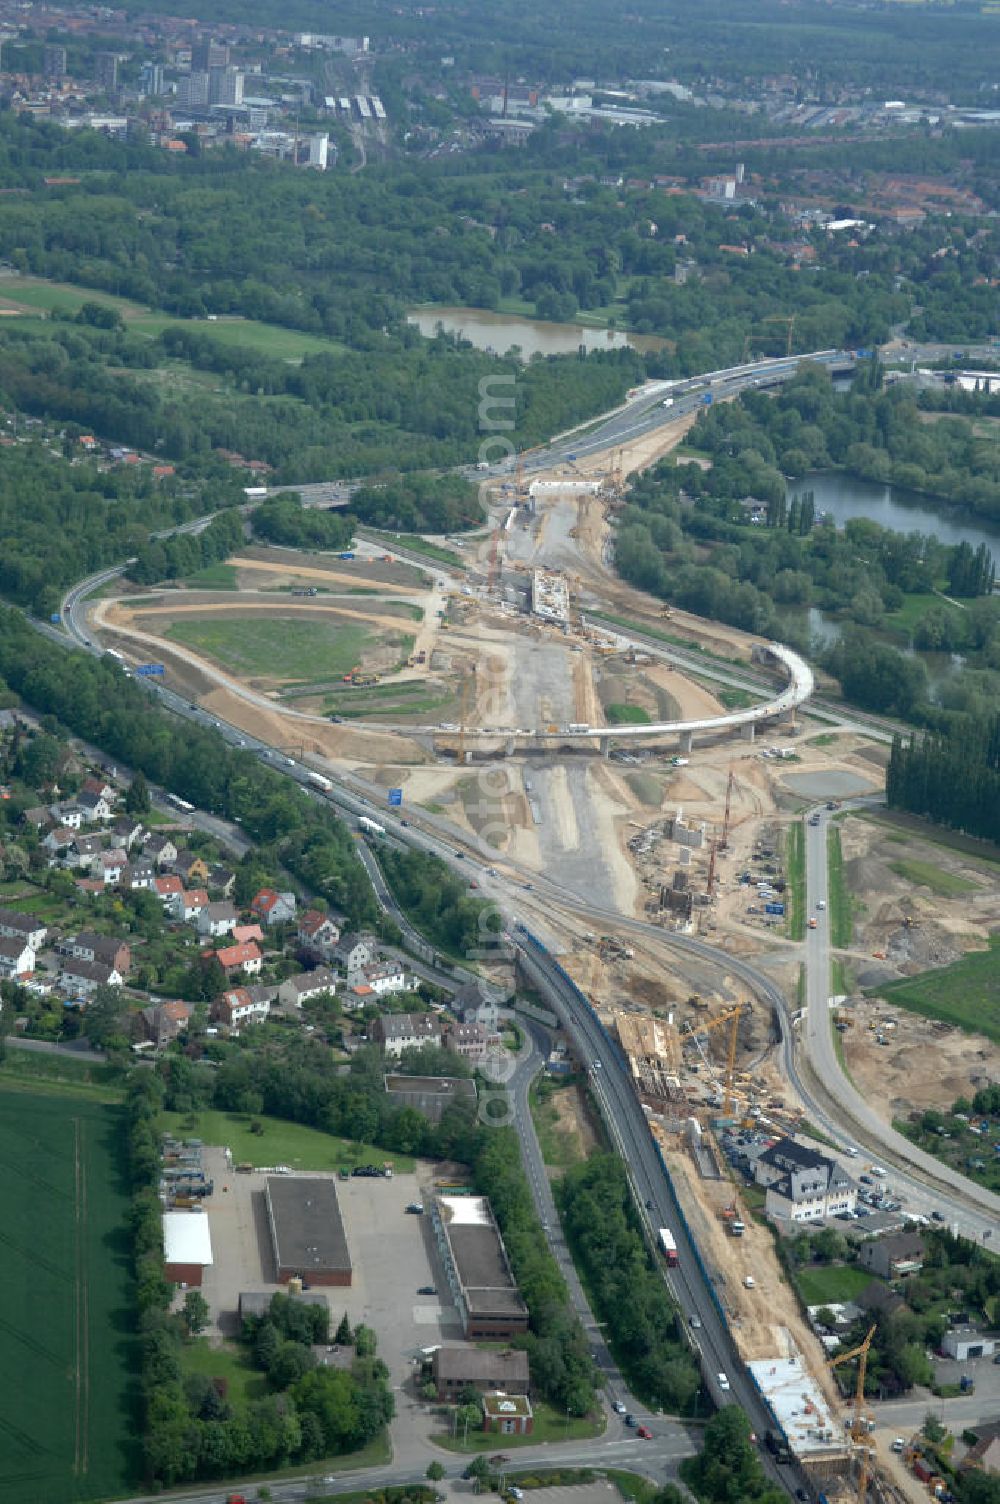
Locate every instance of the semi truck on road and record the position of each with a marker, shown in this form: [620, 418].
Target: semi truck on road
[668, 1246]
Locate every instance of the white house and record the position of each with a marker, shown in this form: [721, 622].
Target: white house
[81, 978]
[217, 919]
[237, 1007]
[17, 958]
[384, 976]
[188, 905]
[318, 933]
[17, 926]
[397, 1032]
[354, 951]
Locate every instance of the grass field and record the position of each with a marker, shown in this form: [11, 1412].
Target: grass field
[795, 877]
[291, 649]
[214, 577]
[966, 994]
[560, 1141]
[627, 715]
[927, 875]
[33, 293]
[550, 1425]
[67, 1429]
[841, 902]
[280, 1143]
[831, 1282]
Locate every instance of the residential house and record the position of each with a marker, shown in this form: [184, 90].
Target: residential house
[94, 806]
[139, 875]
[317, 934]
[217, 919]
[100, 787]
[85, 851]
[468, 1040]
[476, 1004]
[221, 880]
[248, 932]
[81, 978]
[397, 1032]
[294, 991]
[161, 849]
[461, 1365]
[245, 958]
[17, 926]
[94, 887]
[110, 865]
[802, 1184]
[272, 907]
[236, 1008]
[38, 817]
[68, 815]
[193, 869]
[127, 832]
[17, 958]
[188, 906]
[163, 1022]
[384, 976]
[893, 1256]
[355, 950]
[108, 949]
[59, 843]
[168, 887]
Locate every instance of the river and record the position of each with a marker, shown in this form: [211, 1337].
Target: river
[498, 332]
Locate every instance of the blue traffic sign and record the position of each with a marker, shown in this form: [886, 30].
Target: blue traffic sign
[149, 670]
[395, 798]
[55, 617]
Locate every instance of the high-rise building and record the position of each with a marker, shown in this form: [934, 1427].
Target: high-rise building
[225, 86]
[107, 70]
[207, 54]
[192, 91]
[54, 61]
[151, 79]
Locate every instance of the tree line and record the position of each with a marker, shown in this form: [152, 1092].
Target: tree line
[951, 776]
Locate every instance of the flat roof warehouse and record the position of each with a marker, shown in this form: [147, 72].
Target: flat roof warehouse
[307, 1229]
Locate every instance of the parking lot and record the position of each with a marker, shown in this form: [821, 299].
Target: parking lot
[391, 1251]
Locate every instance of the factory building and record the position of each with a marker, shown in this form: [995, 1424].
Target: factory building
[477, 1269]
[307, 1230]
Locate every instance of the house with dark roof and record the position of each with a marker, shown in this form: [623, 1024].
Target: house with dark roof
[802, 1184]
[893, 1256]
[81, 978]
[161, 849]
[294, 991]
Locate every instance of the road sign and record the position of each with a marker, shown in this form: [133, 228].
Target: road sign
[395, 798]
[774, 908]
[149, 670]
[55, 618]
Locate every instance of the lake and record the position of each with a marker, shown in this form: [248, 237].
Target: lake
[498, 332]
[845, 496]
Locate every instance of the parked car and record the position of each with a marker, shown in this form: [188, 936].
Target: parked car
[427, 1290]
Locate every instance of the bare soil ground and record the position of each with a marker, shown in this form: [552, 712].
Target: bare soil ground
[897, 1078]
[281, 567]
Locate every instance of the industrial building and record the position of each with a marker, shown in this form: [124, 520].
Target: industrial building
[307, 1230]
[477, 1269]
[187, 1247]
[460, 1365]
[508, 1414]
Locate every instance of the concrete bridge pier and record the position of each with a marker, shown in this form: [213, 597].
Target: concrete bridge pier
[508, 747]
[686, 739]
[748, 731]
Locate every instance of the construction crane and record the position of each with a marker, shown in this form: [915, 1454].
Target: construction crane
[777, 318]
[731, 1018]
[724, 842]
[713, 854]
[858, 1427]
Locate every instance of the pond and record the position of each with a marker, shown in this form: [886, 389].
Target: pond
[498, 332]
[846, 496]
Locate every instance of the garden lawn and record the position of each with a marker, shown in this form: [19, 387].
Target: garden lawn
[280, 1143]
[825, 1283]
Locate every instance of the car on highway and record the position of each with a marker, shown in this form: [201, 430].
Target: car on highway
[813, 923]
[694, 1320]
[821, 903]
[619, 1408]
[723, 1381]
[644, 1432]
[630, 1420]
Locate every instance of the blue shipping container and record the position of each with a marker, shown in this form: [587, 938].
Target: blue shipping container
[774, 908]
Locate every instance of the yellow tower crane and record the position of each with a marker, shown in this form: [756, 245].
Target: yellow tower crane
[731, 1017]
[858, 1428]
